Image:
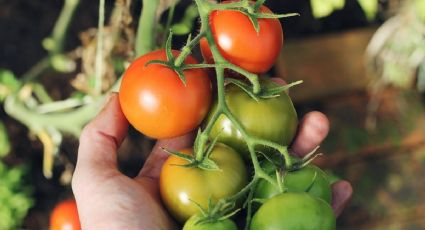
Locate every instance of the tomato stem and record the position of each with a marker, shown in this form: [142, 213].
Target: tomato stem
[146, 31]
[205, 9]
[170, 17]
[97, 87]
[55, 43]
[187, 49]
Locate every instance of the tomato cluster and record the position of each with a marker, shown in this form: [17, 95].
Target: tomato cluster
[202, 186]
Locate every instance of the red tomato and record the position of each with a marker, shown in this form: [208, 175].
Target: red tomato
[157, 103]
[65, 216]
[240, 44]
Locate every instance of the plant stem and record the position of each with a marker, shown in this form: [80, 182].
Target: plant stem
[187, 49]
[282, 149]
[249, 209]
[146, 31]
[62, 25]
[168, 25]
[243, 191]
[99, 50]
[55, 43]
[36, 70]
[36, 121]
[205, 9]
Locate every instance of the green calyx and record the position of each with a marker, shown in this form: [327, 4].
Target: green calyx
[198, 159]
[171, 60]
[266, 92]
[205, 163]
[215, 212]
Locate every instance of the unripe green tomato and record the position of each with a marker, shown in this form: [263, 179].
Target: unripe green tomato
[191, 224]
[273, 119]
[289, 211]
[310, 178]
[180, 187]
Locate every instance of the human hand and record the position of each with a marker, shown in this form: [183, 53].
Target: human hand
[107, 199]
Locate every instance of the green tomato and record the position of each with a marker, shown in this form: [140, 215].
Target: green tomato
[289, 211]
[310, 178]
[192, 224]
[273, 119]
[180, 187]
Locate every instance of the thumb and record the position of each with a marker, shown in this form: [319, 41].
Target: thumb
[99, 141]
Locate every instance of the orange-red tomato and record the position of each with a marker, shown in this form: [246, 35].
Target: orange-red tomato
[65, 216]
[157, 103]
[240, 44]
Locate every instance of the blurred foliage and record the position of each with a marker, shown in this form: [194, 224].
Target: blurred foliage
[185, 25]
[8, 83]
[15, 196]
[323, 8]
[396, 52]
[370, 8]
[420, 8]
[4, 141]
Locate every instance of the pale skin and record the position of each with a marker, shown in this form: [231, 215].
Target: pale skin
[107, 199]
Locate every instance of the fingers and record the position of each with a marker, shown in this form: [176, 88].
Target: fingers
[312, 131]
[341, 195]
[156, 159]
[99, 141]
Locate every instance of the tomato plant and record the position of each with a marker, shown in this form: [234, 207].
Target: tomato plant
[65, 216]
[181, 187]
[192, 224]
[294, 211]
[156, 101]
[273, 119]
[241, 44]
[310, 179]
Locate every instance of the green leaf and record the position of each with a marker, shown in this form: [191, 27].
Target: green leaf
[323, 8]
[185, 26]
[208, 164]
[262, 15]
[259, 200]
[244, 87]
[211, 146]
[159, 62]
[15, 196]
[8, 83]
[258, 4]
[312, 183]
[370, 8]
[254, 22]
[196, 143]
[4, 141]
[276, 91]
[181, 75]
[183, 156]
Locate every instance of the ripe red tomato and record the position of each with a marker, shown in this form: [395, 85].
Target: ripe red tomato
[65, 216]
[180, 187]
[240, 44]
[157, 103]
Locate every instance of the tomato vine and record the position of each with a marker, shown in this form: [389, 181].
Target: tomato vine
[203, 138]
